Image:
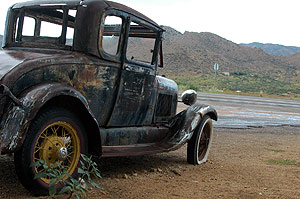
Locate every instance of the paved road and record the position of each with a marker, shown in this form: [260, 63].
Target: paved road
[237, 111]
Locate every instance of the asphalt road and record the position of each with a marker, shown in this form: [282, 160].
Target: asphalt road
[236, 111]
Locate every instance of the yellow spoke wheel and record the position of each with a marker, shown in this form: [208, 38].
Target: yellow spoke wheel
[58, 142]
[55, 135]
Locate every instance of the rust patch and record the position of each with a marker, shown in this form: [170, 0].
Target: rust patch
[12, 129]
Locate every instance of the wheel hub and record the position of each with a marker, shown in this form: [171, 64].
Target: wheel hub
[62, 153]
[53, 149]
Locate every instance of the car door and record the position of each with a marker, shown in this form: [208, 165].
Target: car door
[137, 93]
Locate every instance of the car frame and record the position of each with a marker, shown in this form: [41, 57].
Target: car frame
[93, 94]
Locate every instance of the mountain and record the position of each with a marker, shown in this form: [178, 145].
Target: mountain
[294, 62]
[274, 49]
[196, 53]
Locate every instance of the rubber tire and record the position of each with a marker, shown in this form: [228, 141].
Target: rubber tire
[23, 157]
[205, 127]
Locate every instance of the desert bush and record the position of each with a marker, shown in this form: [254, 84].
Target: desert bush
[58, 175]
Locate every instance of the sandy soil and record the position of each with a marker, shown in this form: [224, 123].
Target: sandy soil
[243, 163]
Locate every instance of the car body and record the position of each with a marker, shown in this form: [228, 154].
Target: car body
[81, 77]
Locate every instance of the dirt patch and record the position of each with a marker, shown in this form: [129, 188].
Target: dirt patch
[243, 163]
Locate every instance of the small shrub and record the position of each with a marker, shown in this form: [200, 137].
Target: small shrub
[58, 173]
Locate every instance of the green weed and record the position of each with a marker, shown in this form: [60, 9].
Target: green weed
[57, 173]
[277, 150]
[284, 162]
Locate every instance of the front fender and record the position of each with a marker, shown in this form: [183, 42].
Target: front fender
[184, 123]
[15, 123]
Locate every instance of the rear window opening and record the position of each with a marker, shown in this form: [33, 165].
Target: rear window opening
[44, 26]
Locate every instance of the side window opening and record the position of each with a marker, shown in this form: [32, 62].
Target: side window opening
[70, 29]
[141, 43]
[70, 35]
[111, 35]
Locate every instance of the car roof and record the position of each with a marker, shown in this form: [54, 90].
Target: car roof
[71, 3]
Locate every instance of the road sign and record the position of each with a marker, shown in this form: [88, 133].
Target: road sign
[216, 67]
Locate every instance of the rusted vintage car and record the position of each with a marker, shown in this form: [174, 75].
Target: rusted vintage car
[81, 77]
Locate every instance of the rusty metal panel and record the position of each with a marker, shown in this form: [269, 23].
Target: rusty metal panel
[136, 98]
[166, 104]
[97, 80]
[184, 123]
[132, 135]
[10, 133]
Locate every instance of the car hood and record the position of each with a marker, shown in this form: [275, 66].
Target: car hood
[9, 59]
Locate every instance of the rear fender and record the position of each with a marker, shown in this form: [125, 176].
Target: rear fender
[15, 124]
[184, 123]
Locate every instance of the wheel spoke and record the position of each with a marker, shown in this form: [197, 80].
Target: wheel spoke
[64, 133]
[44, 135]
[36, 159]
[69, 143]
[37, 149]
[204, 142]
[69, 159]
[54, 130]
[70, 154]
[207, 142]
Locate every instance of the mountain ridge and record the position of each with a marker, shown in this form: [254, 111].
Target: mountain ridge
[198, 52]
[274, 49]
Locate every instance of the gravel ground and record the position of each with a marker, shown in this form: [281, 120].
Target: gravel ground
[243, 163]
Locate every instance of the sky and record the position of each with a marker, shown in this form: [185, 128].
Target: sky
[240, 21]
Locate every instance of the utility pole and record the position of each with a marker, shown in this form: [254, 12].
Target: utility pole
[216, 68]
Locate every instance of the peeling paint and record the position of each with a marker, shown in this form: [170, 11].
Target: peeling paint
[11, 130]
[184, 124]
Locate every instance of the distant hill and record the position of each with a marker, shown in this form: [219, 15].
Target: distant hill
[293, 60]
[274, 49]
[196, 53]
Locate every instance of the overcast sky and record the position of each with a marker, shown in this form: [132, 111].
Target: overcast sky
[241, 21]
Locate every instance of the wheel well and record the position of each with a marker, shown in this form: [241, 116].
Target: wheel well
[76, 106]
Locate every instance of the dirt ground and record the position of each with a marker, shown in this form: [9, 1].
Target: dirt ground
[243, 163]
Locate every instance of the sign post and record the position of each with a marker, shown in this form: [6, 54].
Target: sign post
[216, 68]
